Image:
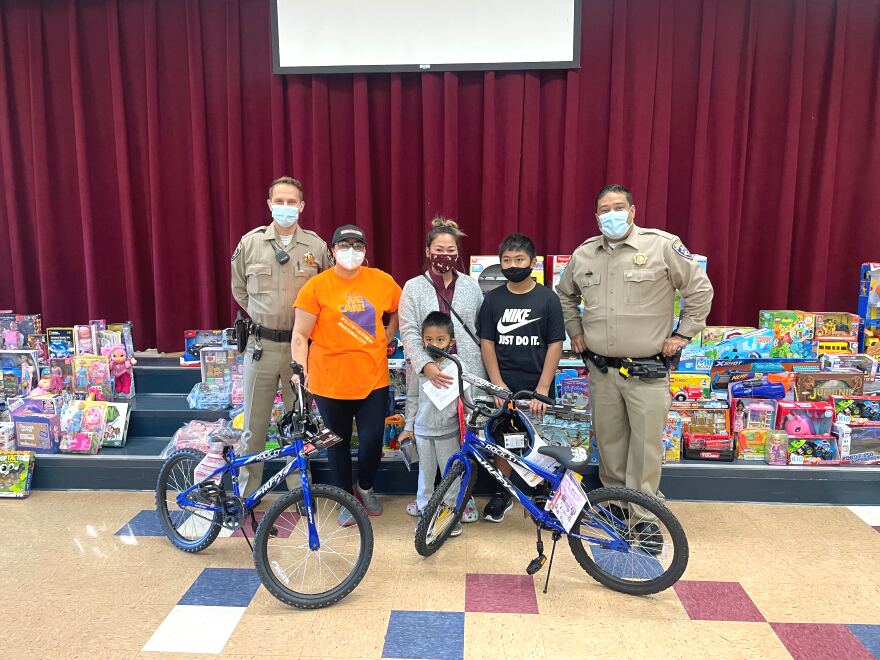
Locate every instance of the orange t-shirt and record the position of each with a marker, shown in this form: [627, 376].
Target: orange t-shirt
[348, 357]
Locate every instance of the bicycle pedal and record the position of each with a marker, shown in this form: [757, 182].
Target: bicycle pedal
[536, 564]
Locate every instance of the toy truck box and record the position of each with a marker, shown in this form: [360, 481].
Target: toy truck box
[859, 445]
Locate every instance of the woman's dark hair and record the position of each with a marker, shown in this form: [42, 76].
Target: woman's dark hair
[441, 225]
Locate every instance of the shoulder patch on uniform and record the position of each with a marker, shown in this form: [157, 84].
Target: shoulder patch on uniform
[679, 247]
[237, 252]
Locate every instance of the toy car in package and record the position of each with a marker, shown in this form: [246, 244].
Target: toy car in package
[16, 473]
[859, 445]
[210, 396]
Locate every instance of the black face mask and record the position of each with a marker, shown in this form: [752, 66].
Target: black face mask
[516, 275]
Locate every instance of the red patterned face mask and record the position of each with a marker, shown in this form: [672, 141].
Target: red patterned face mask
[443, 263]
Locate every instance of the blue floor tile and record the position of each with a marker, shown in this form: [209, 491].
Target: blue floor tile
[145, 523]
[229, 587]
[869, 636]
[437, 635]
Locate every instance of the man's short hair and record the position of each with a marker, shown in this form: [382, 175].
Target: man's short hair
[439, 320]
[290, 181]
[614, 188]
[517, 243]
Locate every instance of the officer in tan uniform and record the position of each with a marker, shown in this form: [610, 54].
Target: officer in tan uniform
[627, 278]
[269, 267]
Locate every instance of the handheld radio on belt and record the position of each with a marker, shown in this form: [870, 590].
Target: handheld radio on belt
[242, 328]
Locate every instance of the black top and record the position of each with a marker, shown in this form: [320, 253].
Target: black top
[522, 325]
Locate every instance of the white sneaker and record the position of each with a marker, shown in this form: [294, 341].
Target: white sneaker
[368, 499]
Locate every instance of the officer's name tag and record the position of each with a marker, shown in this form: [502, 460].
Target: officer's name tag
[514, 440]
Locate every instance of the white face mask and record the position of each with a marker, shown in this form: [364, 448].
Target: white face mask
[349, 258]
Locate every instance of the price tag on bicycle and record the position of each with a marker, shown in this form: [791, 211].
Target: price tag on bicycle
[568, 501]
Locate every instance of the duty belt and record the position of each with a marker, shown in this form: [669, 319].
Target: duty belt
[262, 332]
[647, 368]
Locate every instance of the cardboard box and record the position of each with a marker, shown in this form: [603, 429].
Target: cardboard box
[16, 473]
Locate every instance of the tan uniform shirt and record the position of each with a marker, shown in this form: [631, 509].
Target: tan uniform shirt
[267, 289]
[628, 293]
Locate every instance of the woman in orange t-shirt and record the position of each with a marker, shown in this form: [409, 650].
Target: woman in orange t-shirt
[346, 366]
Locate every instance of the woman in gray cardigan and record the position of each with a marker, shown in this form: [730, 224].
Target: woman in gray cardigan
[434, 290]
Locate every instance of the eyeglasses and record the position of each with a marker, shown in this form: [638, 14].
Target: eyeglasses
[345, 245]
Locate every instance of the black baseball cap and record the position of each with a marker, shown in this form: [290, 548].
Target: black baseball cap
[349, 232]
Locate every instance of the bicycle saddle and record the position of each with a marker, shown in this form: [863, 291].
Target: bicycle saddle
[574, 458]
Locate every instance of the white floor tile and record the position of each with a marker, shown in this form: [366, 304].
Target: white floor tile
[195, 629]
[870, 514]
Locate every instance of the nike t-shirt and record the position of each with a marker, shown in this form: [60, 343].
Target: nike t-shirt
[522, 326]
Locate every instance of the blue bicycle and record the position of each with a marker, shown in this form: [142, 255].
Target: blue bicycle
[304, 557]
[625, 539]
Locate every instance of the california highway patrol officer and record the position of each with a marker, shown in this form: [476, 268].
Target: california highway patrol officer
[627, 278]
[269, 267]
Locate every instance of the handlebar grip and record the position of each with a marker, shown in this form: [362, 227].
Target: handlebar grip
[297, 369]
[544, 399]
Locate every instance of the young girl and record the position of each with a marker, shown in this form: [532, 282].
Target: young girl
[437, 432]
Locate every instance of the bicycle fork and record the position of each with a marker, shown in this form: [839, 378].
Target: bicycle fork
[538, 562]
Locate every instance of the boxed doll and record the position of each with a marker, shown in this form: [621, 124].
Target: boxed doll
[821, 386]
[85, 339]
[776, 449]
[19, 372]
[92, 377]
[804, 419]
[82, 426]
[794, 333]
[752, 414]
[672, 432]
[16, 473]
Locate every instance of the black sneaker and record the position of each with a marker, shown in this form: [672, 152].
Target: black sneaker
[650, 538]
[499, 504]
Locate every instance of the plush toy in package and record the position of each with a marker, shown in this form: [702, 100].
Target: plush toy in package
[16, 473]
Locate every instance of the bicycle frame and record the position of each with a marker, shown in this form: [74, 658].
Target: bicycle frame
[474, 446]
[233, 465]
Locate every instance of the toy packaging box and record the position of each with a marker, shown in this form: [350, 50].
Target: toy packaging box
[794, 333]
[857, 410]
[61, 342]
[813, 450]
[751, 444]
[862, 363]
[838, 325]
[837, 347]
[221, 365]
[709, 447]
[672, 438]
[798, 418]
[689, 386]
[573, 428]
[752, 414]
[696, 364]
[486, 269]
[859, 445]
[16, 473]
[125, 331]
[727, 372]
[92, 377]
[39, 433]
[116, 429]
[751, 345]
[19, 372]
[821, 386]
[82, 426]
[776, 451]
[85, 339]
[7, 436]
[16, 329]
[715, 334]
[107, 339]
[573, 387]
[61, 374]
[705, 421]
[202, 338]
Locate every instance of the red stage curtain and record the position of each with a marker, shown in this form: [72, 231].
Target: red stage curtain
[137, 138]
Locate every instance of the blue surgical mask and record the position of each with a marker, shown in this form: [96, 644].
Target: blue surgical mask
[614, 224]
[285, 216]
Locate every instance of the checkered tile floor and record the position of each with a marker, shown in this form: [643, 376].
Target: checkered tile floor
[764, 581]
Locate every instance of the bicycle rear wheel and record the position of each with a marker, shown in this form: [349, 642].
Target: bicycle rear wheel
[641, 549]
[440, 514]
[188, 528]
[305, 578]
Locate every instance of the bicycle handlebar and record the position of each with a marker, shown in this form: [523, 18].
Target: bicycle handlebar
[486, 386]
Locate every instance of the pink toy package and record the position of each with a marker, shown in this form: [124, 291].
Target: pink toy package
[752, 414]
[82, 426]
[799, 419]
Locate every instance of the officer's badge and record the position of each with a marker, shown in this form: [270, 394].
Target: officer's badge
[236, 253]
[309, 259]
[679, 247]
[640, 259]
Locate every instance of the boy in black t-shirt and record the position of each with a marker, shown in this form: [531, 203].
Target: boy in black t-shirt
[521, 331]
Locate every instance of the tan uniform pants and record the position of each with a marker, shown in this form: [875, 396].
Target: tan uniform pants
[629, 415]
[260, 385]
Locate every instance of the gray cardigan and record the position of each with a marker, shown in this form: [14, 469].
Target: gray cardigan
[422, 416]
[419, 298]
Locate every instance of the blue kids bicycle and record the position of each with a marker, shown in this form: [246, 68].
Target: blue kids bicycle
[625, 539]
[304, 557]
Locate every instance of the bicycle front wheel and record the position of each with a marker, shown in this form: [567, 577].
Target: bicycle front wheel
[440, 514]
[638, 545]
[189, 528]
[305, 578]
